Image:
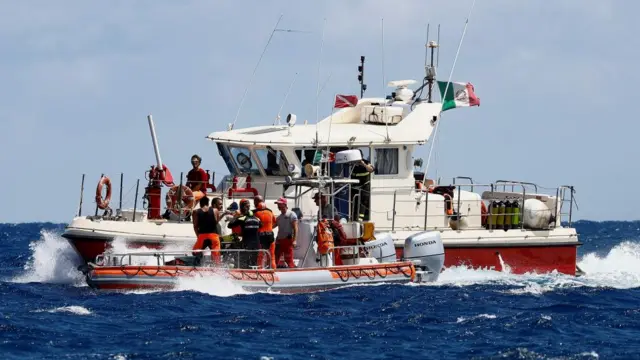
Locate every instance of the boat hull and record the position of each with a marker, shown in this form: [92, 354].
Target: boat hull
[280, 280]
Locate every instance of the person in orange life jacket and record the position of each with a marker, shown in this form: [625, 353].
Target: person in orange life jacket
[197, 178]
[249, 226]
[205, 222]
[265, 233]
[287, 224]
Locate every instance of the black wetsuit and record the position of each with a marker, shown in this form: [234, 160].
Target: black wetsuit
[249, 225]
[361, 174]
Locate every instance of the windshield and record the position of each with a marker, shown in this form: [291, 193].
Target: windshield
[223, 151]
[273, 162]
[244, 160]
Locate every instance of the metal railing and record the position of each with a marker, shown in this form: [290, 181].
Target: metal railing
[401, 196]
[229, 258]
[409, 195]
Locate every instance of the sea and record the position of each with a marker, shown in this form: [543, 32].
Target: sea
[48, 312]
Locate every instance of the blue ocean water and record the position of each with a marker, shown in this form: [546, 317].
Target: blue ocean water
[46, 311]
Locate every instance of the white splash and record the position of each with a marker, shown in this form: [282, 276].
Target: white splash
[52, 260]
[619, 269]
[216, 285]
[73, 309]
[481, 316]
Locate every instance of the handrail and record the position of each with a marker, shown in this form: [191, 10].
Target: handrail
[464, 178]
[510, 182]
[106, 258]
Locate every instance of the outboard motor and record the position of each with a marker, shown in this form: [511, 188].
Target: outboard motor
[426, 251]
[381, 248]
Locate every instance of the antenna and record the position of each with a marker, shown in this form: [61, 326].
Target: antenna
[324, 22]
[254, 71]
[382, 33]
[363, 86]
[435, 131]
[426, 51]
[431, 70]
[285, 99]
[438, 54]
[275, 29]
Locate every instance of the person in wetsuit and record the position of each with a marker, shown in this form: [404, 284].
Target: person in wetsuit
[265, 233]
[362, 172]
[249, 226]
[205, 225]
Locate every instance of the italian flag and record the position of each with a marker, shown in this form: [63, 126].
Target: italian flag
[458, 95]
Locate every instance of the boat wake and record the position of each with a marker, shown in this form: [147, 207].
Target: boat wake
[53, 260]
[618, 269]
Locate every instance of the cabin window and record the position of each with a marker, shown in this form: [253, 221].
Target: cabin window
[305, 156]
[223, 151]
[244, 160]
[386, 161]
[273, 161]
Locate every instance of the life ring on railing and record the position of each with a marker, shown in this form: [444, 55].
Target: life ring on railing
[448, 203]
[187, 199]
[484, 212]
[103, 203]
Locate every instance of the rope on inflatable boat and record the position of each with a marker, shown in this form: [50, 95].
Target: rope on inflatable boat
[268, 280]
[345, 275]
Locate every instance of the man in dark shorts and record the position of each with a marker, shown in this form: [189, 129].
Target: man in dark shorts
[205, 225]
[265, 233]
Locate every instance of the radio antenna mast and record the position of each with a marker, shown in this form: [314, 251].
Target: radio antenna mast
[285, 99]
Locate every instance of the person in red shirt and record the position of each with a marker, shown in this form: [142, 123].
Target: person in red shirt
[197, 178]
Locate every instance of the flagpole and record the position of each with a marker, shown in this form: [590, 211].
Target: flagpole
[435, 130]
[324, 22]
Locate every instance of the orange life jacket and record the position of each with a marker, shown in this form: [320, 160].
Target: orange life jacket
[325, 237]
[267, 219]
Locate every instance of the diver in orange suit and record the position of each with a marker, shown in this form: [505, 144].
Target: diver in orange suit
[265, 233]
[205, 224]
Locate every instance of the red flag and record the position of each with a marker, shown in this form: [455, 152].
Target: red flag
[344, 101]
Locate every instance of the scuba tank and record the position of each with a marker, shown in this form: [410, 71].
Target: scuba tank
[507, 215]
[500, 220]
[515, 217]
[493, 218]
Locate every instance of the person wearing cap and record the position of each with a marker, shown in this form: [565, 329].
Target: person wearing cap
[265, 233]
[197, 178]
[287, 224]
[327, 211]
[249, 225]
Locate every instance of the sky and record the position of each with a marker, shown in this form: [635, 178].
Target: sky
[556, 82]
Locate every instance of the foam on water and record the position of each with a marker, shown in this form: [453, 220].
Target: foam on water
[73, 309]
[52, 260]
[217, 285]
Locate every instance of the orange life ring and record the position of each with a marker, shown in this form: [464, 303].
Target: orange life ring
[187, 199]
[103, 203]
[485, 213]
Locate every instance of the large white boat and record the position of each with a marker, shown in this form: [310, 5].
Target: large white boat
[499, 225]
